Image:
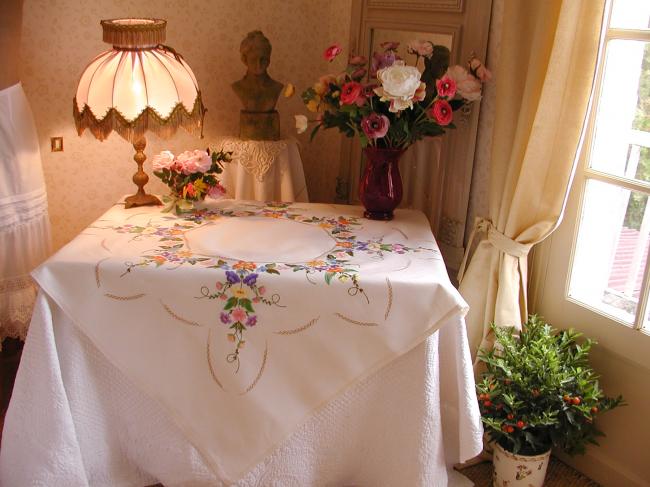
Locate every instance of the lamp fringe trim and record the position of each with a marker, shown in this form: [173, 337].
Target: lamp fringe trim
[148, 120]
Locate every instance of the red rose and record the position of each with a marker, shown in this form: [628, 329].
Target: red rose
[332, 51]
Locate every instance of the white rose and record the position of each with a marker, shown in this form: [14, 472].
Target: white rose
[164, 160]
[301, 123]
[467, 85]
[398, 85]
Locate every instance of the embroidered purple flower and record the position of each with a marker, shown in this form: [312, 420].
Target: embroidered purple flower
[232, 277]
[375, 126]
[250, 280]
[251, 321]
[225, 318]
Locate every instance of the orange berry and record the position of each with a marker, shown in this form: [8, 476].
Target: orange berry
[594, 410]
[511, 416]
[520, 424]
[566, 398]
[510, 429]
[487, 404]
[575, 401]
[499, 407]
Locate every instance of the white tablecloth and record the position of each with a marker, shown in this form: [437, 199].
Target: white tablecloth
[75, 420]
[264, 170]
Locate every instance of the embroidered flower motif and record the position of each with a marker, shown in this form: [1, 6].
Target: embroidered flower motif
[239, 314]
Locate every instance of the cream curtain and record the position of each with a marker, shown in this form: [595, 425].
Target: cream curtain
[544, 78]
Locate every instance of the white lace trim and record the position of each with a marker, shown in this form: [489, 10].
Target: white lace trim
[255, 156]
[17, 296]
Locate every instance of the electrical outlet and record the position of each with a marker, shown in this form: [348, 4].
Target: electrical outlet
[56, 144]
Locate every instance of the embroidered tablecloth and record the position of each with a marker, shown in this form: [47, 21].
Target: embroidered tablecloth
[243, 318]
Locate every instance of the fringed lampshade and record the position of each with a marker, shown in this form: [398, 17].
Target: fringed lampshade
[140, 85]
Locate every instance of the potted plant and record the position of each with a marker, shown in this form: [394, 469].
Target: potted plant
[538, 392]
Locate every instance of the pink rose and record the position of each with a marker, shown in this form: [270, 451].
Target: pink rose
[442, 112]
[217, 191]
[467, 85]
[239, 314]
[446, 87]
[332, 51]
[357, 61]
[421, 48]
[389, 45]
[350, 91]
[375, 126]
[164, 160]
[477, 69]
[194, 161]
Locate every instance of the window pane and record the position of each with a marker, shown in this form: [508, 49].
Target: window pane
[630, 14]
[622, 129]
[611, 250]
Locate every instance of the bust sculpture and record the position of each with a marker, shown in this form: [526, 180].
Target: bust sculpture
[257, 91]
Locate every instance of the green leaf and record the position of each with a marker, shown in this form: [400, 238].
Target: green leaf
[231, 303]
[329, 276]
[246, 304]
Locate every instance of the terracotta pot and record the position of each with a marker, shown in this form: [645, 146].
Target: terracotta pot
[380, 188]
[512, 470]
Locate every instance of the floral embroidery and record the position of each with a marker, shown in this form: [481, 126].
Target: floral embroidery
[240, 290]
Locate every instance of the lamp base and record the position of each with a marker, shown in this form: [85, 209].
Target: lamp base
[141, 199]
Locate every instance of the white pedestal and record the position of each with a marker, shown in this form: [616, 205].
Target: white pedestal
[263, 170]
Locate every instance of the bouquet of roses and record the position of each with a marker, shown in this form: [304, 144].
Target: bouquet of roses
[191, 176]
[390, 104]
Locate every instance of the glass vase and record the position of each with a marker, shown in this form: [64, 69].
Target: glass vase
[380, 188]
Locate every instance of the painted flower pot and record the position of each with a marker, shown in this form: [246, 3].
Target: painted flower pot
[512, 470]
[380, 188]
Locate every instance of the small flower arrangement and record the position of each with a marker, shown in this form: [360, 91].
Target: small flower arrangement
[539, 390]
[191, 176]
[395, 107]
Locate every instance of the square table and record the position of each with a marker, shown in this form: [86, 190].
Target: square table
[245, 343]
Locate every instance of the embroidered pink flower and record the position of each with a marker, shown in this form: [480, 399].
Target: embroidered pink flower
[477, 69]
[164, 160]
[239, 315]
[217, 191]
[350, 91]
[332, 51]
[261, 290]
[442, 112]
[446, 87]
[375, 126]
[192, 161]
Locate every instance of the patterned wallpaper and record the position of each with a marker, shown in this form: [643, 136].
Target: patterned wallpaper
[61, 36]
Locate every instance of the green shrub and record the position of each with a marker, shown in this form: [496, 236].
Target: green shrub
[539, 390]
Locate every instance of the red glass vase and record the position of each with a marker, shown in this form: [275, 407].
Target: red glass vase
[380, 188]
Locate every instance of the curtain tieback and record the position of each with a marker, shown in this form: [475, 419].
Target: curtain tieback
[498, 241]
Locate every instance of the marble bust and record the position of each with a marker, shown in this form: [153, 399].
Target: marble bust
[257, 91]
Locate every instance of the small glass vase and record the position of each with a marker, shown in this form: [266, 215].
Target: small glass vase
[380, 188]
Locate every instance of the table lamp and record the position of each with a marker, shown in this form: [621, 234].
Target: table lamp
[140, 85]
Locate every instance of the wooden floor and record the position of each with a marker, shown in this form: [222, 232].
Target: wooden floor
[559, 474]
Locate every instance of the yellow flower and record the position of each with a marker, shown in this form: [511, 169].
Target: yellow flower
[315, 263]
[240, 293]
[200, 187]
[184, 253]
[325, 225]
[289, 90]
[312, 105]
[320, 88]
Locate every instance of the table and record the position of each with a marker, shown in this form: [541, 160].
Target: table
[206, 389]
[264, 170]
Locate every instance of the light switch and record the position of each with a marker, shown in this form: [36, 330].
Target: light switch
[57, 144]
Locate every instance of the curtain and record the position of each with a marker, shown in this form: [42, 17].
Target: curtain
[543, 83]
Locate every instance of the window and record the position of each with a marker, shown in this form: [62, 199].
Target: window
[609, 270]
